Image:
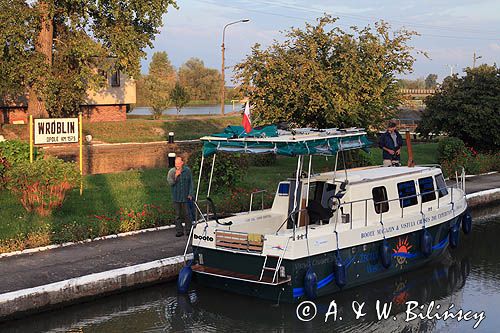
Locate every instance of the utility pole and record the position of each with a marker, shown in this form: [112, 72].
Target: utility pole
[451, 67]
[223, 88]
[474, 58]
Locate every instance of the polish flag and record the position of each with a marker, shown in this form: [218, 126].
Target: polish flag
[247, 123]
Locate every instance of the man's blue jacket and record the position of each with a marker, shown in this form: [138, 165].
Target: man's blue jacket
[386, 141]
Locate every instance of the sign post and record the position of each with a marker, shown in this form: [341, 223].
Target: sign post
[31, 137]
[80, 126]
[58, 130]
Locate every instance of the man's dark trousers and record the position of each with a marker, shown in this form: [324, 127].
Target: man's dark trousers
[182, 215]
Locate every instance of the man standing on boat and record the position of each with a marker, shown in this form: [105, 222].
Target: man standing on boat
[391, 143]
[181, 180]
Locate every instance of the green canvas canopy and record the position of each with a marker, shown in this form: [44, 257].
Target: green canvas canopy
[296, 142]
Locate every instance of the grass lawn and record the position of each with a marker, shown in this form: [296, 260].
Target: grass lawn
[114, 203]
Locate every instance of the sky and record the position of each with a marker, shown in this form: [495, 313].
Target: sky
[451, 30]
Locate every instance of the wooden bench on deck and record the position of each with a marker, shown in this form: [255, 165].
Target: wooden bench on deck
[239, 241]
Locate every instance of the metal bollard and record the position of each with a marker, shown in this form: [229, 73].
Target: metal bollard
[170, 137]
[171, 160]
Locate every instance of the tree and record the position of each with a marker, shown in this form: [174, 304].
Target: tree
[201, 83]
[411, 84]
[158, 83]
[160, 67]
[54, 51]
[467, 107]
[326, 77]
[179, 96]
[431, 81]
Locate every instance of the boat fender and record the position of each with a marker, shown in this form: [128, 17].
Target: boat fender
[340, 273]
[454, 235]
[467, 222]
[385, 254]
[426, 243]
[184, 279]
[310, 284]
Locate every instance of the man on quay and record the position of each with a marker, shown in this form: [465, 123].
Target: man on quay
[391, 143]
[181, 180]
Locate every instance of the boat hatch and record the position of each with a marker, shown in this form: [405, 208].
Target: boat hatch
[239, 241]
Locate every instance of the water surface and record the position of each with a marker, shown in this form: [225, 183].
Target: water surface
[467, 277]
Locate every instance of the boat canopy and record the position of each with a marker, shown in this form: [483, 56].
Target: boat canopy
[296, 142]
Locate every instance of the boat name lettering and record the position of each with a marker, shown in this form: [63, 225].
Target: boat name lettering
[443, 214]
[205, 238]
[257, 218]
[314, 262]
[404, 225]
[320, 242]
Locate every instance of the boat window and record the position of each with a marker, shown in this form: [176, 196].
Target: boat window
[316, 191]
[379, 196]
[426, 186]
[312, 190]
[441, 185]
[407, 191]
[284, 189]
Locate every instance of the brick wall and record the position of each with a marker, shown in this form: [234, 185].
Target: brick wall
[14, 114]
[109, 158]
[98, 113]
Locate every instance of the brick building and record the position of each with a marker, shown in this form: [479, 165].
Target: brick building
[108, 104]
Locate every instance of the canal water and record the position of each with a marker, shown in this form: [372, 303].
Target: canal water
[191, 110]
[466, 278]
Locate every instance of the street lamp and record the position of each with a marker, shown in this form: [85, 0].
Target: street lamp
[474, 58]
[223, 91]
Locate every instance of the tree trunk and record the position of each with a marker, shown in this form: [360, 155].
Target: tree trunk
[36, 103]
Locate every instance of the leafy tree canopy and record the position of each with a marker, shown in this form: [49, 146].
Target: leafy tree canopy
[54, 48]
[431, 81]
[323, 76]
[467, 107]
[179, 96]
[156, 86]
[418, 83]
[201, 82]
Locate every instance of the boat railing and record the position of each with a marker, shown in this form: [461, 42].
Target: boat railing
[289, 217]
[261, 192]
[347, 218]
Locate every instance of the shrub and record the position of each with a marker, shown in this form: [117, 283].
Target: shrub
[228, 170]
[450, 148]
[488, 162]
[452, 155]
[13, 152]
[42, 185]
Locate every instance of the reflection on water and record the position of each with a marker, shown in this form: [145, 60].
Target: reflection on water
[467, 277]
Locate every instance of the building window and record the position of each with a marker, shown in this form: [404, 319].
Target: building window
[115, 79]
[380, 199]
[426, 186]
[441, 185]
[407, 194]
